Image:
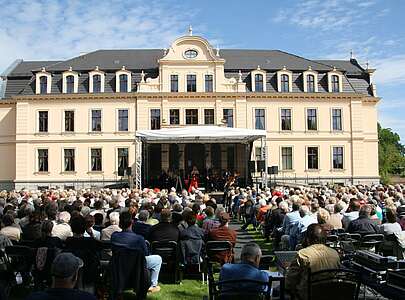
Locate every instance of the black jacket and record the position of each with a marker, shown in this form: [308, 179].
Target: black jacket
[163, 231]
[362, 225]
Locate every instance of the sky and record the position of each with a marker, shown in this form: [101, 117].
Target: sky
[330, 29]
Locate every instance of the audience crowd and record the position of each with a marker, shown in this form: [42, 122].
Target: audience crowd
[134, 219]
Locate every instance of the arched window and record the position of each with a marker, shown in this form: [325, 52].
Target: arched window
[43, 84]
[96, 83]
[123, 83]
[258, 83]
[70, 84]
[285, 83]
[310, 83]
[335, 83]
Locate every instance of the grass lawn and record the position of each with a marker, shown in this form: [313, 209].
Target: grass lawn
[257, 236]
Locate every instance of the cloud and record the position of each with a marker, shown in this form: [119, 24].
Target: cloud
[326, 15]
[390, 70]
[62, 29]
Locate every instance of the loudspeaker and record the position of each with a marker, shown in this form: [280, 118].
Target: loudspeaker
[129, 171]
[272, 170]
[252, 166]
[261, 165]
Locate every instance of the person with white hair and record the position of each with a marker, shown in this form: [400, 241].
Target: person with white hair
[62, 229]
[108, 231]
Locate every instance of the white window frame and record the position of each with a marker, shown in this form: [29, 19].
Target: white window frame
[123, 71]
[185, 81]
[331, 158]
[340, 76]
[284, 71]
[75, 82]
[306, 119]
[89, 160]
[233, 116]
[279, 119]
[37, 160]
[91, 119]
[168, 115]
[341, 119]
[305, 82]
[178, 82]
[63, 160]
[116, 157]
[150, 117]
[253, 80]
[254, 117]
[117, 128]
[48, 76]
[281, 158]
[96, 72]
[213, 81]
[203, 115]
[198, 117]
[306, 158]
[63, 121]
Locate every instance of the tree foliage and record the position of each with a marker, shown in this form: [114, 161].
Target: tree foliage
[391, 153]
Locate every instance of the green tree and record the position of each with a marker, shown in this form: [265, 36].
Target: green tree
[391, 153]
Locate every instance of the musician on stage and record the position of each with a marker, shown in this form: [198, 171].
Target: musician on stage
[194, 179]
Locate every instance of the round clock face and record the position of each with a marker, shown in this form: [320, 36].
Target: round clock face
[190, 53]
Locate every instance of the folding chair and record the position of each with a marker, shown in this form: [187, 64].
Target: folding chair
[169, 252]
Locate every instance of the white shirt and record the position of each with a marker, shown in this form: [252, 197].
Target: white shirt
[62, 231]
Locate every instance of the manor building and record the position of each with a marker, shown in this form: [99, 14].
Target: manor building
[74, 123]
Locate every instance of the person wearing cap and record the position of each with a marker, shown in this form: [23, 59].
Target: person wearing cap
[223, 233]
[64, 271]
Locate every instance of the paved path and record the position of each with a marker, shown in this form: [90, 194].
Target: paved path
[242, 237]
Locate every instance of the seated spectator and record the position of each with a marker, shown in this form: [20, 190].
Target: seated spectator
[90, 232]
[373, 215]
[62, 228]
[46, 239]
[4, 242]
[151, 218]
[323, 217]
[108, 231]
[391, 226]
[64, 270]
[274, 220]
[176, 214]
[130, 240]
[164, 230]
[298, 229]
[191, 239]
[32, 231]
[351, 214]
[98, 222]
[363, 225]
[315, 256]
[335, 219]
[141, 227]
[98, 209]
[210, 222]
[247, 269]
[223, 233]
[250, 213]
[10, 229]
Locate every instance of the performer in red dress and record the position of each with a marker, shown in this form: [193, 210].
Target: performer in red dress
[194, 182]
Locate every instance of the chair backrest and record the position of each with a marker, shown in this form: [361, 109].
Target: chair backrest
[372, 238]
[241, 289]
[214, 247]
[340, 284]
[21, 258]
[168, 250]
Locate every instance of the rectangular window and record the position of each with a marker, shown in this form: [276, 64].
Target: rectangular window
[69, 160]
[337, 157]
[96, 83]
[259, 83]
[310, 83]
[311, 119]
[337, 119]
[191, 83]
[42, 160]
[285, 83]
[335, 83]
[155, 118]
[174, 117]
[312, 158]
[43, 121]
[285, 119]
[123, 83]
[286, 158]
[174, 83]
[96, 159]
[260, 119]
[228, 116]
[96, 120]
[122, 160]
[43, 85]
[209, 83]
[208, 116]
[123, 120]
[69, 121]
[191, 116]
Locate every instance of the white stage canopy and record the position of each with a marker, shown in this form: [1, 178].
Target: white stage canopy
[200, 134]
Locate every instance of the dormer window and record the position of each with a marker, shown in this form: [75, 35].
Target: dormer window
[285, 83]
[310, 83]
[123, 81]
[43, 85]
[96, 81]
[70, 81]
[258, 83]
[258, 80]
[43, 81]
[335, 84]
[70, 84]
[284, 80]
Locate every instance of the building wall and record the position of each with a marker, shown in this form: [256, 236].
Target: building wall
[7, 145]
